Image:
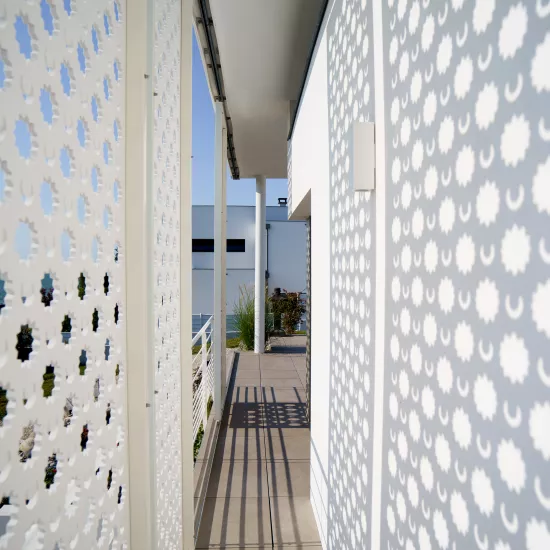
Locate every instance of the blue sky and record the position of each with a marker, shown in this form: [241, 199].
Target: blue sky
[242, 192]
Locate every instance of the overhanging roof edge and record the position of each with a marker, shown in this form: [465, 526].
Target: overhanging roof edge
[206, 36]
[308, 66]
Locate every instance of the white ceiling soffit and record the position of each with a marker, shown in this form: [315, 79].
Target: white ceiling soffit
[263, 48]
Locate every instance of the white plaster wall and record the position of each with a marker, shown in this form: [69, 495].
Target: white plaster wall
[309, 151]
[310, 170]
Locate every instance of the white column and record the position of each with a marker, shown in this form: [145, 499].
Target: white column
[139, 336]
[187, 463]
[259, 287]
[220, 251]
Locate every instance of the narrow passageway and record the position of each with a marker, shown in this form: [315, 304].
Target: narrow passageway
[258, 495]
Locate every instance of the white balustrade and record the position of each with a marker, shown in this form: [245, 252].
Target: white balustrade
[203, 375]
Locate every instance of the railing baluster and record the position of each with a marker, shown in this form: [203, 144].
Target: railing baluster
[203, 379]
[202, 367]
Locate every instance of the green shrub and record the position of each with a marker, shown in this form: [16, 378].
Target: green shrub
[198, 443]
[196, 349]
[244, 318]
[290, 307]
[209, 406]
[269, 320]
[232, 343]
[48, 382]
[3, 404]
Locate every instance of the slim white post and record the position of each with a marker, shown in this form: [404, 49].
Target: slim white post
[139, 339]
[186, 266]
[259, 287]
[220, 223]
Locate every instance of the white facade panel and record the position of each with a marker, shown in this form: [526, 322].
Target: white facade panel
[310, 136]
[310, 169]
[429, 392]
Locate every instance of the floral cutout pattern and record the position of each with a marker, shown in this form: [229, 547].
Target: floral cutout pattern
[57, 364]
[166, 168]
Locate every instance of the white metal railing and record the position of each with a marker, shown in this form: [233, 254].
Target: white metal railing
[203, 375]
[198, 320]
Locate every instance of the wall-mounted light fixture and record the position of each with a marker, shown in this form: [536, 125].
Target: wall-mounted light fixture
[363, 156]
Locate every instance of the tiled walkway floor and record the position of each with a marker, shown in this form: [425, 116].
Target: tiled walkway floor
[258, 495]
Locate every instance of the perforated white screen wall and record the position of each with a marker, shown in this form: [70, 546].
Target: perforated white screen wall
[63, 478]
[166, 282]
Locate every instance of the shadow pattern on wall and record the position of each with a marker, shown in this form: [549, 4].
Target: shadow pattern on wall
[350, 96]
[467, 404]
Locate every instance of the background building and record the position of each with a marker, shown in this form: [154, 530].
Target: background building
[285, 246]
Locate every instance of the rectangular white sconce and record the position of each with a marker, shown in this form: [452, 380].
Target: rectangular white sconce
[363, 156]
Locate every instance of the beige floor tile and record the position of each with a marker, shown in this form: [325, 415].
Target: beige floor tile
[247, 367]
[245, 388]
[285, 367]
[293, 522]
[241, 448]
[234, 522]
[285, 415]
[288, 478]
[247, 373]
[245, 393]
[254, 381]
[248, 360]
[271, 361]
[287, 432]
[289, 448]
[251, 432]
[247, 478]
[299, 362]
[282, 395]
[282, 382]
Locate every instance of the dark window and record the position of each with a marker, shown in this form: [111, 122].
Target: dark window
[207, 245]
[203, 245]
[235, 245]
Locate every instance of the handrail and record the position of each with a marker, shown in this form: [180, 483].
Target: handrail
[202, 331]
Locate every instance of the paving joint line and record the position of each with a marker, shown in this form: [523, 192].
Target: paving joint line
[265, 456]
